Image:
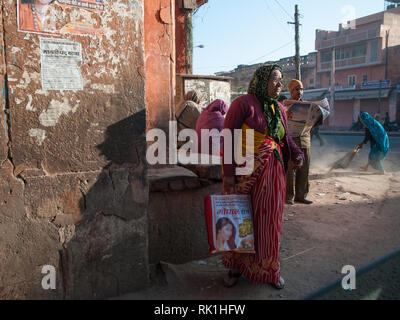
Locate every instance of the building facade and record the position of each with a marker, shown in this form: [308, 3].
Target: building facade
[243, 74]
[366, 71]
[308, 70]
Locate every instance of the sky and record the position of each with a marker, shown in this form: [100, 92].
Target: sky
[235, 32]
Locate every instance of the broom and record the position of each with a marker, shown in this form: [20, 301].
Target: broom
[344, 162]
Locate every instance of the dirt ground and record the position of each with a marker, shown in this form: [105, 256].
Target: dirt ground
[354, 220]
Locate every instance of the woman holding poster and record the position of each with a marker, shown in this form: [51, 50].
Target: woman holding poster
[272, 149]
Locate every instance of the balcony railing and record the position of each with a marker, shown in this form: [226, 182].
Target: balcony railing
[349, 38]
[346, 63]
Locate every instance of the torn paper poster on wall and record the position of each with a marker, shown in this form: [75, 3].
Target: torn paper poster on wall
[60, 17]
[87, 4]
[60, 59]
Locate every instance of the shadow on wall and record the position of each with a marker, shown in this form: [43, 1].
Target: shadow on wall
[123, 140]
[108, 253]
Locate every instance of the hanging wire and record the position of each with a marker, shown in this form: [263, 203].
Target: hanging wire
[276, 18]
[290, 16]
[205, 7]
[248, 63]
[271, 52]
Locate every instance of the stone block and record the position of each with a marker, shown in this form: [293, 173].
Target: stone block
[101, 223]
[192, 183]
[11, 192]
[176, 185]
[26, 245]
[121, 192]
[177, 229]
[106, 257]
[159, 186]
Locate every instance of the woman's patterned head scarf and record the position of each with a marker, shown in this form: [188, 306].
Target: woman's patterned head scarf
[259, 87]
[259, 83]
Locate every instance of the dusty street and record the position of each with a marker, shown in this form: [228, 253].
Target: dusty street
[354, 220]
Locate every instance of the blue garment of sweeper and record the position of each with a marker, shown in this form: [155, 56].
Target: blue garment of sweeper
[380, 148]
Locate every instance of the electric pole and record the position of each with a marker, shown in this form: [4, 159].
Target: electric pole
[297, 40]
[387, 54]
[189, 40]
[332, 89]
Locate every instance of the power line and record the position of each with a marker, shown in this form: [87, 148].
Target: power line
[271, 52]
[205, 8]
[284, 25]
[231, 66]
[283, 9]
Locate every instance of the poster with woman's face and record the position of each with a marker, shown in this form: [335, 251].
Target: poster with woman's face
[231, 228]
[225, 234]
[59, 16]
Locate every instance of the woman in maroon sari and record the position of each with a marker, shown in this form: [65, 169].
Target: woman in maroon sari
[212, 117]
[272, 149]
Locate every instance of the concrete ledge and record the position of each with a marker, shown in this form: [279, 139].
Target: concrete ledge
[172, 179]
[169, 174]
[211, 172]
[185, 177]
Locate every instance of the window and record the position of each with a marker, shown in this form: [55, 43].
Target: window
[326, 56]
[311, 81]
[351, 52]
[373, 51]
[352, 80]
[365, 78]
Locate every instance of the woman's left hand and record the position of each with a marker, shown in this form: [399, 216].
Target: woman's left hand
[229, 185]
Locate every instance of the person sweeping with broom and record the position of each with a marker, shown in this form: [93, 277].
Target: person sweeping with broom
[376, 134]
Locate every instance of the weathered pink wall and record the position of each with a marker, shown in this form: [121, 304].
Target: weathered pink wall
[74, 189]
[159, 23]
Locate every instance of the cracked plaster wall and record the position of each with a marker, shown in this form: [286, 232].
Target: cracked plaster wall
[74, 190]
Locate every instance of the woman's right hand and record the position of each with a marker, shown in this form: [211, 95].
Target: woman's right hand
[229, 185]
[298, 163]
